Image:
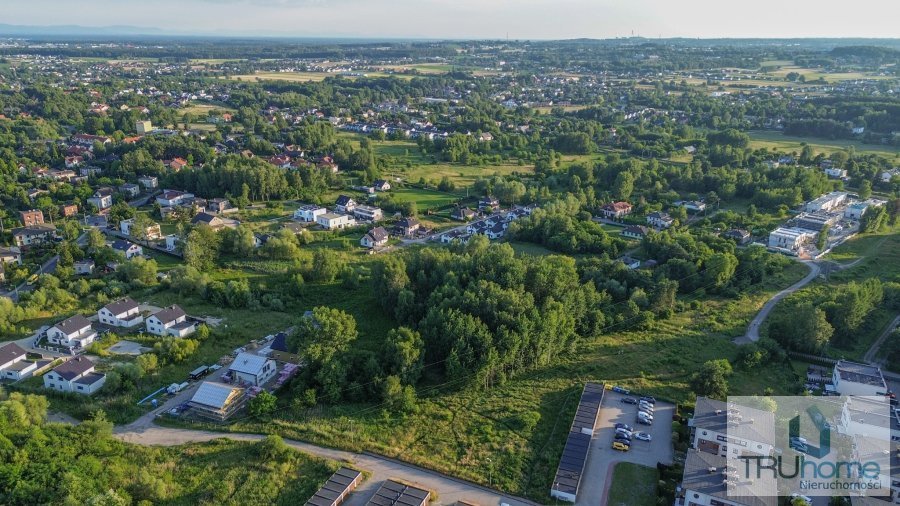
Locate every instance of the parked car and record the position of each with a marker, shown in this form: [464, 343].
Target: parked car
[624, 433]
[626, 442]
[620, 446]
[643, 436]
[629, 400]
[645, 407]
[620, 390]
[645, 421]
[646, 412]
[649, 400]
[644, 416]
[624, 426]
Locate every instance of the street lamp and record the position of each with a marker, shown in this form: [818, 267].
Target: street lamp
[490, 472]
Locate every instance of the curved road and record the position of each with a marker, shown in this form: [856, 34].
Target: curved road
[752, 334]
[449, 489]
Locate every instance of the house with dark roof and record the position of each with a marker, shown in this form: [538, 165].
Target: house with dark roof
[75, 332]
[408, 227]
[381, 185]
[13, 363]
[739, 235]
[123, 313]
[36, 234]
[210, 220]
[851, 378]
[77, 375]
[102, 198]
[280, 351]
[127, 248]
[660, 220]
[462, 214]
[10, 255]
[171, 321]
[84, 267]
[375, 238]
[344, 204]
[635, 231]
[488, 203]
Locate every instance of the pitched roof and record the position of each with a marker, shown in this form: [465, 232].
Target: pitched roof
[122, 245]
[378, 234]
[72, 324]
[207, 218]
[280, 342]
[408, 222]
[34, 230]
[120, 306]
[170, 314]
[215, 395]
[73, 368]
[248, 363]
[10, 352]
[343, 200]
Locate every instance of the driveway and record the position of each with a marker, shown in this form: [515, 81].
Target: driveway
[752, 334]
[602, 458]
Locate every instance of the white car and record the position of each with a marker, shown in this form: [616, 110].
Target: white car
[800, 496]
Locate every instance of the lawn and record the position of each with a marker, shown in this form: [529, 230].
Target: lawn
[633, 485]
[425, 198]
[768, 139]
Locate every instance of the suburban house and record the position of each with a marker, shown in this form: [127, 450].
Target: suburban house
[381, 185]
[102, 198]
[121, 313]
[32, 217]
[84, 267]
[462, 214]
[616, 210]
[331, 221]
[635, 231]
[408, 227]
[13, 363]
[488, 203]
[127, 248]
[77, 375]
[738, 235]
[344, 204]
[309, 213]
[705, 483]
[172, 198]
[172, 241]
[171, 321]
[850, 378]
[177, 164]
[375, 238]
[790, 238]
[68, 210]
[149, 182]
[75, 332]
[130, 190]
[660, 220]
[210, 220]
[218, 205]
[217, 401]
[250, 369]
[28, 236]
[714, 431]
[10, 255]
[368, 213]
[151, 233]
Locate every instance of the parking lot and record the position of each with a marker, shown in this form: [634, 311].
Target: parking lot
[602, 458]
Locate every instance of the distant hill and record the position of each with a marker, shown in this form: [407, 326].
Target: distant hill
[63, 30]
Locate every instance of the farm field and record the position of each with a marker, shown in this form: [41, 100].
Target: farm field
[776, 140]
[308, 76]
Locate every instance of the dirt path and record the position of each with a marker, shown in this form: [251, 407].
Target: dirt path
[869, 358]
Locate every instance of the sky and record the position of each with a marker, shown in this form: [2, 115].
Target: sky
[475, 19]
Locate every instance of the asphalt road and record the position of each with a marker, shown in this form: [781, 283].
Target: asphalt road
[873, 351]
[49, 267]
[449, 489]
[752, 334]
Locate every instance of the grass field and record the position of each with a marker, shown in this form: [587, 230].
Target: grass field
[520, 426]
[786, 143]
[633, 485]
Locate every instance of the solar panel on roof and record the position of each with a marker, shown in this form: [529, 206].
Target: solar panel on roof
[574, 456]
